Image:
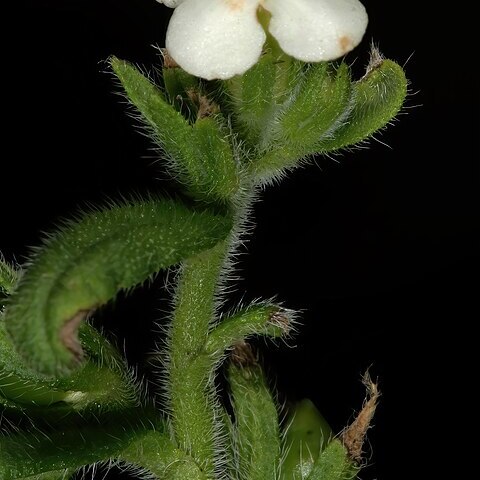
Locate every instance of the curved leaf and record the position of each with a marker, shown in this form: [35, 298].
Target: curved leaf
[378, 97]
[262, 318]
[87, 262]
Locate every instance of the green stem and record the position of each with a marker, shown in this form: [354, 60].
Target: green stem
[190, 370]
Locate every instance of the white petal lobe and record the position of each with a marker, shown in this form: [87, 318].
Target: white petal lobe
[215, 39]
[317, 30]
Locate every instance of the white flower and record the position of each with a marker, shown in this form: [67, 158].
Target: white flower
[223, 38]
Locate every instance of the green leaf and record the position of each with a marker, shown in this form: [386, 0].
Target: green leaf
[333, 114]
[252, 99]
[257, 430]
[378, 97]
[133, 438]
[87, 262]
[321, 101]
[256, 97]
[334, 464]
[262, 318]
[212, 168]
[305, 438]
[200, 156]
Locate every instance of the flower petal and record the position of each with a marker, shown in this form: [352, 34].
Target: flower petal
[317, 30]
[171, 3]
[215, 38]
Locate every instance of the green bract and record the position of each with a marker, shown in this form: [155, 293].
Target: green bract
[68, 399]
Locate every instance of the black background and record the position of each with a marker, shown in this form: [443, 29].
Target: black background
[379, 248]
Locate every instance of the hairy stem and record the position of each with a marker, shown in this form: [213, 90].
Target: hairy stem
[190, 369]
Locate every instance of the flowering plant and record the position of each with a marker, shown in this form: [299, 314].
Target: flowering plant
[249, 91]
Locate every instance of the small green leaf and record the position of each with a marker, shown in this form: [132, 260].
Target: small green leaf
[257, 430]
[199, 156]
[378, 97]
[257, 319]
[334, 464]
[213, 169]
[87, 262]
[306, 436]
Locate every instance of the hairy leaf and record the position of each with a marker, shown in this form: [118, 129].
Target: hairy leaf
[252, 98]
[257, 319]
[256, 419]
[200, 155]
[87, 262]
[378, 97]
[320, 102]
